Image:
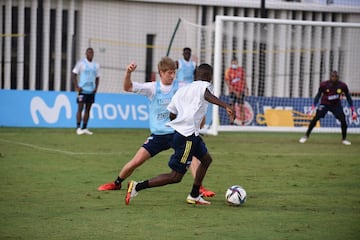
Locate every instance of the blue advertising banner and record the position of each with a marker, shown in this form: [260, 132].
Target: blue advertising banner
[58, 109]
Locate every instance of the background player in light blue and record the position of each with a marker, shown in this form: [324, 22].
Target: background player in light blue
[185, 67]
[86, 88]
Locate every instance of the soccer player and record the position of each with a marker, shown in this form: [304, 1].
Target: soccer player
[187, 110]
[236, 82]
[159, 94]
[86, 88]
[331, 92]
[185, 74]
[185, 67]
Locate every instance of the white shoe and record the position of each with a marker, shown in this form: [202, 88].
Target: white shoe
[131, 192]
[197, 200]
[346, 142]
[87, 132]
[79, 131]
[303, 139]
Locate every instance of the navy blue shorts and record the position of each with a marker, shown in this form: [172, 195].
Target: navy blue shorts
[185, 148]
[158, 143]
[85, 98]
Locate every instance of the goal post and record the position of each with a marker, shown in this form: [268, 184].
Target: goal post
[284, 62]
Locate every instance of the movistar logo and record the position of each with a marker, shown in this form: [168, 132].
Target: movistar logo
[49, 114]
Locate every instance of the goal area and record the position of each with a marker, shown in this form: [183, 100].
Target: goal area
[284, 63]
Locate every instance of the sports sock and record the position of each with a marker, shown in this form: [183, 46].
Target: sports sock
[142, 185]
[195, 191]
[118, 181]
[84, 126]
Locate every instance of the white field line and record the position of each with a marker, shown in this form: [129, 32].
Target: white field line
[33, 146]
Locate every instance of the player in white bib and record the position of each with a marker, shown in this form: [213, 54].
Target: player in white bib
[185, 74]
[187, 110]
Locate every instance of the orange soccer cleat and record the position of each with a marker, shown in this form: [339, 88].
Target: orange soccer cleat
[206, 193]
[109, 186]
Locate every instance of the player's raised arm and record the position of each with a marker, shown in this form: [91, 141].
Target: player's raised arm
[127, 79]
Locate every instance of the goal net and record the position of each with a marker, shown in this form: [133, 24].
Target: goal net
[284, 62]
[114, 55]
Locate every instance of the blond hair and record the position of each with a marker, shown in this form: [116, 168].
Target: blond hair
[166, 64]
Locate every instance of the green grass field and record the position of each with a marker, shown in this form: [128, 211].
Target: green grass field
[49, 180]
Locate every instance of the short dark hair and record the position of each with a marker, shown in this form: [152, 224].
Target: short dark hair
[186, 49]
[334, 73]
[204, 72]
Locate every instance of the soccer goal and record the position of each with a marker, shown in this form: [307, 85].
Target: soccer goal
[284, 62]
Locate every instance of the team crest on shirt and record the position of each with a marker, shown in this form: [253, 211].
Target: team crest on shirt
[338, 90]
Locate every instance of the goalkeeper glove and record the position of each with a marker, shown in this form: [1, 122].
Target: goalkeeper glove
[311, 112]
[353, 113]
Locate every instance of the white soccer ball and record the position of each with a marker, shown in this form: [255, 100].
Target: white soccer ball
[235, 195]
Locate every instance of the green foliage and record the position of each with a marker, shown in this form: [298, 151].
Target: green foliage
[49, 180]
